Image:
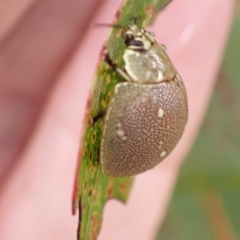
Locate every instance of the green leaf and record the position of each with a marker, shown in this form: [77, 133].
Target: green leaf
[93, 188]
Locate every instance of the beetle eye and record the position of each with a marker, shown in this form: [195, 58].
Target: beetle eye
[134, 42]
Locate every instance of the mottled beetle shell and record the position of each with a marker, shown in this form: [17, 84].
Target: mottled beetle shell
[147, 114]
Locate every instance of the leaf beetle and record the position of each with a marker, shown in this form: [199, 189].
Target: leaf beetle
[148, 112]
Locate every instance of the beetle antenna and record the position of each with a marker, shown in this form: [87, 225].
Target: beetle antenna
[165, 5]
[108, 25]
[136, 19]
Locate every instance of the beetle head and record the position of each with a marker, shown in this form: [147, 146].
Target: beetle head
[137, 38]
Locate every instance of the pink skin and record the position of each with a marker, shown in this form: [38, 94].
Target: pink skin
[36, 194]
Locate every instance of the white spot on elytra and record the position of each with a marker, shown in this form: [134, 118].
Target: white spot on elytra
[163, 153]
[118, 125]
[120, 132]
[124, 138]
[160, 112]
[161, 142]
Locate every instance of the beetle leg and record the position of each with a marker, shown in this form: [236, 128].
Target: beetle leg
[93, 120]
[115, 67]
[100, 115]
[122, 73]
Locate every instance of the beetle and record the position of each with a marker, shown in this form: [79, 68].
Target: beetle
[147, 113]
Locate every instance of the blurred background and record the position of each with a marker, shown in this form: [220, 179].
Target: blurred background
[206, 200]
